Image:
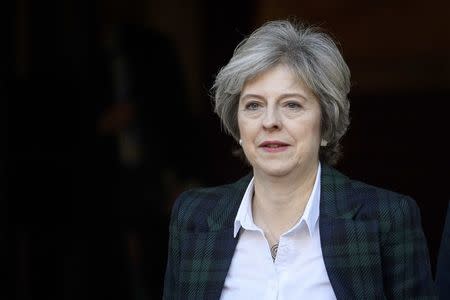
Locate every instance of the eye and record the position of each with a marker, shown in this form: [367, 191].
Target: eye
[252, 106]
[293, 105]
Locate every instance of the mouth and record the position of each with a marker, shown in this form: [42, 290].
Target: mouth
[273, 146]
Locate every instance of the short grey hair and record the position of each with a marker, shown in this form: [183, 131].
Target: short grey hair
[311, 54]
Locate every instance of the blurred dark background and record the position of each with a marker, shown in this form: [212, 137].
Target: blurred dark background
[107, 118]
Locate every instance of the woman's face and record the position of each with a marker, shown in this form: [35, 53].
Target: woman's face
[279, 123]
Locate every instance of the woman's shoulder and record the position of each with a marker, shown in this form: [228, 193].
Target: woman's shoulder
[389, 203]
[380, 200]
[369, 190]
[195, 205]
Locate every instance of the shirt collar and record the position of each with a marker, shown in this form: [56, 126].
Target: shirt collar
[244, 216]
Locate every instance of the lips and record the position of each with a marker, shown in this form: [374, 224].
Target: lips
[273, 146]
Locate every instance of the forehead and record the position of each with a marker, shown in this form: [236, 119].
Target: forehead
[277, 79]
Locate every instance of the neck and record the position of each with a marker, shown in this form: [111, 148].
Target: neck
[279, 202]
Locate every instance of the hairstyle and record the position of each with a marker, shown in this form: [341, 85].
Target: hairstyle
[311, 54]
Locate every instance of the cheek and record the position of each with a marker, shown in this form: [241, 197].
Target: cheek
[309, 132]
[246, 127]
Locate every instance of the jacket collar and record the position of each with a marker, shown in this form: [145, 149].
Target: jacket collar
[223, 215]
[336, 201]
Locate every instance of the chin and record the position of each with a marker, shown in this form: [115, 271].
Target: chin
[277, 174]
[277, 171]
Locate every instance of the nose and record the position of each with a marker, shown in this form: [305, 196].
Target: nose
[271, 119]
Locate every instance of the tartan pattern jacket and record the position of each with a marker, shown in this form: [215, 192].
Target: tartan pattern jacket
[372, 241]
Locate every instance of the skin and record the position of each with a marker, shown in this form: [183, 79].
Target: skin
[279, 123]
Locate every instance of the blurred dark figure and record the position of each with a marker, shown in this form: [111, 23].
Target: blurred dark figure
[142, 126]
[147, 116]
[95, 165]
[443, 261]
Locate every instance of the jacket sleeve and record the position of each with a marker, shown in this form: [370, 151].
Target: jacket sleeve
[406, 263]
[171, 283]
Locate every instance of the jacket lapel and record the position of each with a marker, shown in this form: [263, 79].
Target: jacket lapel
[350, 244]
[216, 246]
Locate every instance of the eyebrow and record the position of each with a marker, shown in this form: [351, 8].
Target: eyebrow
[282, 96]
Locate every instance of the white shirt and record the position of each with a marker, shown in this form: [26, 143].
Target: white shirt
[298, 271]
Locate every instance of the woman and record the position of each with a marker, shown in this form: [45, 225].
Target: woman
[295, 227]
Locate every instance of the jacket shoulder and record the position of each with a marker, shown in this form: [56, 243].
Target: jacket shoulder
[389, 206]
[374, 201]
[193, 207]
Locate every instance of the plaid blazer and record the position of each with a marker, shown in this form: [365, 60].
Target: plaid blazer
[372, 241]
